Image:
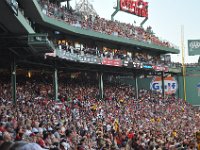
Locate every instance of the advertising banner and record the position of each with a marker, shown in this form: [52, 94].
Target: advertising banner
[131, 64]
[112, 62]
[70, 56]
[89, 59]
[136, 7]
[175, 70]
[79, 58]
[193, 47]
[161, 68]
[170, 84]
[147, 66]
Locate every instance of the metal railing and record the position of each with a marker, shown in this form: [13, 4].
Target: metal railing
[14, 6]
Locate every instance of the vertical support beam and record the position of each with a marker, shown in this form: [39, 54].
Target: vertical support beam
[178, 80]
[136, 87]
[117, 8]
[55, 84]
[13, 81]
[183, 63]
[143, 22]
[163, 84]
[68, 5]
[101, 85]
[115, 12]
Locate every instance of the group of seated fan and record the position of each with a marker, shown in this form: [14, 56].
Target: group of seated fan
[192, 64]
[115, 54]
[82, 121]
[102, 25]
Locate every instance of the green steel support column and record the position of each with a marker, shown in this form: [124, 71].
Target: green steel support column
[55, 84]
[143, 22]
[136, 87]
[163, 84]
[68, 5]
[115, 12]
[117, 9]
[178, 92]
[13, 81]
[101, 85]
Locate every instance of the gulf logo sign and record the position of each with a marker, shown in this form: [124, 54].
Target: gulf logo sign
[170, 83]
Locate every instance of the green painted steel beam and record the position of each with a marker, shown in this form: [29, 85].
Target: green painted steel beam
[163, 85]
[55, 84]
[136, 87]
[13, 81]
[117, 9]
[25, 24]
[101, 89]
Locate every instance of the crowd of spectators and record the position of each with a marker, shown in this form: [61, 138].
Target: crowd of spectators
[82, 121]
[124, 55]
[192, 64]
[102, 25]
[179, 65]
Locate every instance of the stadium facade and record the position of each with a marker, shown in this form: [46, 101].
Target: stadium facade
[35, 37]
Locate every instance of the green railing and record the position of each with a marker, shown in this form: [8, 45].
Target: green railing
[40, 43]
[64, 27]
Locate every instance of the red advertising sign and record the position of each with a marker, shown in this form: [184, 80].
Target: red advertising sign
[161, 68]
[112, 62]
[136, 7]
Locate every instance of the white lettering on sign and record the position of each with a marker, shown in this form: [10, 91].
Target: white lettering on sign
[170, 85]
[194, 44]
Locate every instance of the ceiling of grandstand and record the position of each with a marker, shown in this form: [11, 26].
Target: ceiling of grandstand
[54, 25]
[13, 43]
[8, 21]
[13, 34]
[39, 63]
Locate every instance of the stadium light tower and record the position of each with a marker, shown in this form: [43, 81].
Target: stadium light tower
[86, 8]
[68, 4]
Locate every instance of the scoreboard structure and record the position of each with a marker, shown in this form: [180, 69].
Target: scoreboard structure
[138, 8]
[194, 47]
[135, 7]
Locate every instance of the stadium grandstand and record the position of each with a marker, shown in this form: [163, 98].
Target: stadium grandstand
[70, 80]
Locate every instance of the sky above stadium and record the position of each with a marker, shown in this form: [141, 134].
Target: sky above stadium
[165, 17]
